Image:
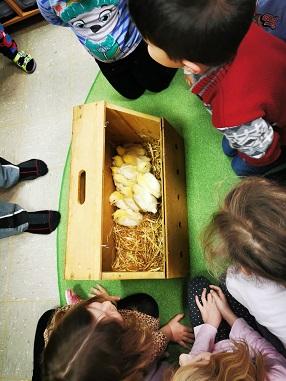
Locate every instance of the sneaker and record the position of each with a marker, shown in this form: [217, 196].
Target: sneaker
[25, 62]
[71, 297]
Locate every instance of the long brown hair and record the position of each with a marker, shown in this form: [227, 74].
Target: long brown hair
[249, 230]
[225, 366]
[81, 349]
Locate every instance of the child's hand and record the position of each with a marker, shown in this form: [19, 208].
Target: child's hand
[208, 309]
[222, 304]
[101, 292]
[177, 332]
[220, 299]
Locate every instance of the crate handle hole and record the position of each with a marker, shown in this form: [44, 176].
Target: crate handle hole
[181, 254]
[176, 146]
[177, 171]
[81, 187]
[178, 197]
[180, 224]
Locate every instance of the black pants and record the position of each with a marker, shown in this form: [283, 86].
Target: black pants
[195, 287]
[137, 72]
[139, 302]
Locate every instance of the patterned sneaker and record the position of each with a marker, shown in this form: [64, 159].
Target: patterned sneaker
[25, 62]
[71, 297]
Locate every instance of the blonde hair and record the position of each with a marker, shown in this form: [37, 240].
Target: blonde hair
[249, 230]
[225, 366]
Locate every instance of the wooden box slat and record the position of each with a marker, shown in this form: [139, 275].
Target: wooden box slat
[175, 203]
[83, 254]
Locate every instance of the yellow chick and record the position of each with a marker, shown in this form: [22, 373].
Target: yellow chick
[127, 217]
[120, 150]
[126, 191]
[122, 201]
[129, 201]
[145, 200]
[130, 159]
[135, 149]
[143, 164]
[117, 199]
[117, 161]
[121, 180]
[128, 171]
[149, 182]
[114, 170]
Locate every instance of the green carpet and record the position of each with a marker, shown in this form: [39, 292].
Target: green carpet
[209, 176]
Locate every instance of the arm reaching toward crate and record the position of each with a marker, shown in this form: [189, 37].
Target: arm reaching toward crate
[177, 332]
[173, 330]
[102, 293]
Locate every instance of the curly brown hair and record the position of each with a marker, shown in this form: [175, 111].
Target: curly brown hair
[249, 230]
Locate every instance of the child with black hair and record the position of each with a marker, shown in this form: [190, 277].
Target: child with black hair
[238, 71]
[9, 49]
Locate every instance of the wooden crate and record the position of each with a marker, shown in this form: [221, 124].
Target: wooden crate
[97, 127]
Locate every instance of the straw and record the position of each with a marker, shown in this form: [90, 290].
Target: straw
[141, 248]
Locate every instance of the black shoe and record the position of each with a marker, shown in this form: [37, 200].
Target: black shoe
[43, 221]
[31, 169]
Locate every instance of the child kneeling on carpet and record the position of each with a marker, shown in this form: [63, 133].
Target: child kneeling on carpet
[104, 338]
[238, 71]
[105, 29]
[249, 233]
[241, 354]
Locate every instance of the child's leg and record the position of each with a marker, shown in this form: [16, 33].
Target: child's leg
[39, 344]
[148, 73]
[11, 174]
[9, 48]
[140, 302]
[119, 76]
[195, 287]
[136, 73]
[227, 149]
[15, 220]
[241, 168]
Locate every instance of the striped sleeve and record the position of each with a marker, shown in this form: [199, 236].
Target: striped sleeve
[253, 138]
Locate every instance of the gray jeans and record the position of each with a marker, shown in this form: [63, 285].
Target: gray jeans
[13, 218]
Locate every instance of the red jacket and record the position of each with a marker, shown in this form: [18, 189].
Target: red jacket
[253, 85]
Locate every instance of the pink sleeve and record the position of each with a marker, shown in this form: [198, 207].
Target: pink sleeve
[275, 362]
[205, 338]
[204, 342]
